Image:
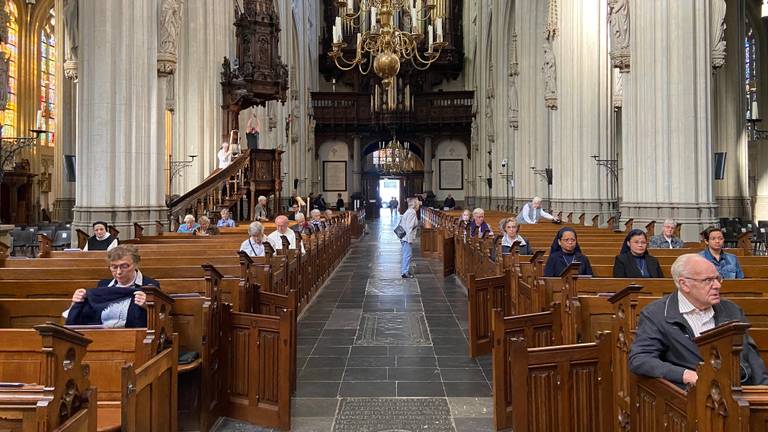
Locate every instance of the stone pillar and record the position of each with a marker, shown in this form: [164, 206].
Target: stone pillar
[66, 94]
[428, 172]
[119, 163]
[357, 165]
[580, 125]
[206, 36]
[667, 149]
[729, 129]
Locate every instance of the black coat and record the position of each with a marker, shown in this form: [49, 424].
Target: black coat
[664, 346]
[558, 262]
[624, 266]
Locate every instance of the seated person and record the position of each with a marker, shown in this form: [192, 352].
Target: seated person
[664, 346]
[101, 238]
[564, 251]
[449, 203]
[293, 211]
[477, 226]
[189, 226]
[276, 237]
[726, 264]
[226, 220]
[533, 213]
[117, 302]
[317, 222]
[301, 226]
[254, 244]
[206, 229]
[634, 261]
[328, 216]
[260, 211]
[666, 239]
[511, 235]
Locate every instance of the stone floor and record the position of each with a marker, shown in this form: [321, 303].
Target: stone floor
[381, 353]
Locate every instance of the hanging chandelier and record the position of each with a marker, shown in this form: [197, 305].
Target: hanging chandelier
[388, 33]
[395, 157]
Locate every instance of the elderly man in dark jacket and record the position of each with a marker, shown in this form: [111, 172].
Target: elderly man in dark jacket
[664, 346]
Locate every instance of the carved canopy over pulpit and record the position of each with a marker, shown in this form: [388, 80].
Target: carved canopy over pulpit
[257, 75]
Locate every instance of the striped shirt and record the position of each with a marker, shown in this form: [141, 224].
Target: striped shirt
[699, 320]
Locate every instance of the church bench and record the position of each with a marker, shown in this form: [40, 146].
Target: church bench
[54, 392]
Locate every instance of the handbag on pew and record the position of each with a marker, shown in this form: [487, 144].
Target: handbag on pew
[400, 231]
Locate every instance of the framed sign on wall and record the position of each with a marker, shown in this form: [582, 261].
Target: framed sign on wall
[334, 176]
[451, 174]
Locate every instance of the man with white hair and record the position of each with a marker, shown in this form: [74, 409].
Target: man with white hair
[260, 211]
[410, 222]
[532, 213]
[664, 346]
[275, 238]
[666, 239]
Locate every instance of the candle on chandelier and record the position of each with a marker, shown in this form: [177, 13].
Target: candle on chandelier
[419, 9]
[414, 21]
[754, 110]
[439, 23]
[373, 19]
[352, 7]
[359, 42]
[339, 34]
[430, 38]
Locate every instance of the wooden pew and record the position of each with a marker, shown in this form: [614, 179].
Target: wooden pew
[54, 391]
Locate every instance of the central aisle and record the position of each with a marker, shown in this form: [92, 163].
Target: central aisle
[378, 352]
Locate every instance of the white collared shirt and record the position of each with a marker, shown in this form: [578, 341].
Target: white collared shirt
[699, 320]
[274, 239]
[138, 280]
[506, 241]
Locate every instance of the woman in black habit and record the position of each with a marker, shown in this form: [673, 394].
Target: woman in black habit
[564, 251]
[634, 261]
[101, 238]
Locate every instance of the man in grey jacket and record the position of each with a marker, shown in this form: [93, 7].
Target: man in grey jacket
[409, 221]
[664, 346]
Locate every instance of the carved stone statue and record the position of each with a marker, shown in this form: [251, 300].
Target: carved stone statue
[513, 104]
[71, 29]
[618, 19]
[718, 33]
[170, 24]
[549, 70]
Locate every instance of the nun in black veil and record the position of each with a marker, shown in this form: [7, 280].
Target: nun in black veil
[564, 251]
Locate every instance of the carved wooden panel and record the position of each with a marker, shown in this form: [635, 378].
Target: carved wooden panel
[544, 403]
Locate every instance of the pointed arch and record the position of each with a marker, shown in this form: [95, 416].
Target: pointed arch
[11, 51]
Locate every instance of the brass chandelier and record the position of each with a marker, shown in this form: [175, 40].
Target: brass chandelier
[395, 158]
[388, 32]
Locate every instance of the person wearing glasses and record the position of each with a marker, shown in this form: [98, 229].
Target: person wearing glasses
[634, 261]
[726, 264]
[664, 346]
[565, 250]
[117, 302]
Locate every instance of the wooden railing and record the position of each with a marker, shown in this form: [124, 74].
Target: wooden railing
[252, 173]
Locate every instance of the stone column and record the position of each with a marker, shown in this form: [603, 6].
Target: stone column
[357, 165]
[66, 94]
[580, 126]
[428, 172]
[207, 35]
[119, 163]
[729, 129]
[667, 149]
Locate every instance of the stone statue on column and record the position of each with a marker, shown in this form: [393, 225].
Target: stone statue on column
[512, 97]
[72, 38]
[618, 19]
[549, 70]
[167, 41]
[718, 33]
[4, 80]
[5, 20]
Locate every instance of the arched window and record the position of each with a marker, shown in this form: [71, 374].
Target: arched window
[46, 118]
[11, 52]
[750, 73]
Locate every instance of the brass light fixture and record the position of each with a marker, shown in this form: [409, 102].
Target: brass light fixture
[388, 32]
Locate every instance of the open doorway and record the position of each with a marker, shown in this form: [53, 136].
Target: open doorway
[389, 188]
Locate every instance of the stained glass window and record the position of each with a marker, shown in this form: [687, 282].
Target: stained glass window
[10, 50]
[46, 112]
[750, 71]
